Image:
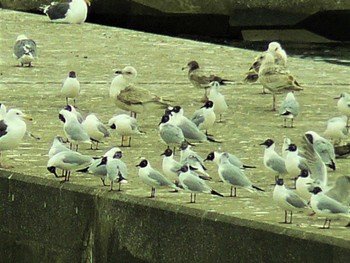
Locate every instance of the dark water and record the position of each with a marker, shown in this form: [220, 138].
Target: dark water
[337, 52]
[331, 25]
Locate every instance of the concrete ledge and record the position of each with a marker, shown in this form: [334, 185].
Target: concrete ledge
[51, 222]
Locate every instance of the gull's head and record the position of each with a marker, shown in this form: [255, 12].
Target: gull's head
[72, 74]
[104, 161]
[52, 169]
[113, 152]
[268, 143]
[311, 136]
[316, 190]
[15, 113]
[143, 164]
[184, 168]
[209, 104]
[280, 182]
[168, 152]
[91, 117]
[192, 65]
[70, 108]
[274, 47]
[184, 145]
[165, 119]
[344, 95]
[128, 72]
[118, 154]
[304, 173]
[59, 140]
[21, 37]
[214, 84]
[65, 115]
[178, 109]
[292, 147]
[210, 157]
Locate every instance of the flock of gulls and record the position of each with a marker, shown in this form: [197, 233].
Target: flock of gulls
[308, 163]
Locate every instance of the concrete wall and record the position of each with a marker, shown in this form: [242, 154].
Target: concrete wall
[44, 221]
[222, 7]
[215, 18]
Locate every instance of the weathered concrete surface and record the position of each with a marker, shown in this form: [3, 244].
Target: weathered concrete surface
[42, 219]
